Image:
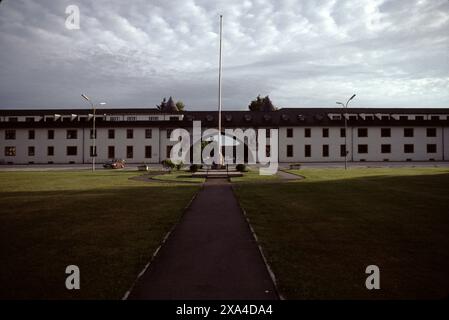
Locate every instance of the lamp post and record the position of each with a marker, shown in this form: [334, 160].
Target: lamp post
[94, 135]
[345, 106]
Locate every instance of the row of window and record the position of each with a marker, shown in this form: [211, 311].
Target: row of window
[363, 132]
[10, 151]
[361, 149]
[73, 134]
[73, 151]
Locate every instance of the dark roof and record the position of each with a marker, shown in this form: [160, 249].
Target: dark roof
[242, 119]
[84, 111]
[38, 112]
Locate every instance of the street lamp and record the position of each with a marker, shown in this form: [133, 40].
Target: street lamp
[94, 149]
[345, 106]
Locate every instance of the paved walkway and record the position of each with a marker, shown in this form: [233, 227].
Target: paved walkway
[211, 254]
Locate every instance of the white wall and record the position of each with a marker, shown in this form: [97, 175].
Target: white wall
[159, 142]
[374, 142]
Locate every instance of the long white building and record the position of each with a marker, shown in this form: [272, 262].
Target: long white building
[305, 134]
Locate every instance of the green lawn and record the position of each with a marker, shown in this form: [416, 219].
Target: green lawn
[320, 234]
[252, 175]
[103, 222]
[179, 176]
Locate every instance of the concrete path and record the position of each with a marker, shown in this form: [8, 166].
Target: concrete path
[211, 254]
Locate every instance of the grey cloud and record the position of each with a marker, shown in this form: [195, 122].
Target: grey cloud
[301, 53]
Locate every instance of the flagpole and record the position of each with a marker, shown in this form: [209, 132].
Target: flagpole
[219, 93]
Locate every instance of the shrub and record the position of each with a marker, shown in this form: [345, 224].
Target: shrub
[179, 165]
[241, 167]
[194, 168]
[168, 164]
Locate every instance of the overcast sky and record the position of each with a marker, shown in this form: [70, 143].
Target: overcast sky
[302, 53]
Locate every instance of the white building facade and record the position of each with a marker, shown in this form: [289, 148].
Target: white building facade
[304, 134]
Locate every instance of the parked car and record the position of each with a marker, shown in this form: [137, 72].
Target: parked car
[114, 164]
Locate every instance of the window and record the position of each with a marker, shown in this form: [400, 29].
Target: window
[129, 134]
[435, 118]
[111, 134]
[29, 119]
[342, 132]
[325, 132]
[148, 133]
[13, 119]
[325, 150]
[419, 118]
[153, 118]
[50, 134]
[114, 118]
[92, 133]
[93, 151]
[362, 132]
[168, 151]
[50, 151]
[174, 118]
[148, 151]
[342, 150]
[307, 132]
[409, 148]
[72, 151]
[289, 150]
[31, 134]
[307, 150]
[267, 151]
[385, 148]
[111, 152]
[385, 132]
[131, 118]
[10, 151]
[289, 133]
[352, 117]
[431, 132]
[362, 148]
[385, 118]
[268, 133]
[403, 118]
[169, 131]
[10, 134]
[408, 132]
[72, 134]
[31, 151]
[369, 118]
[129, 152]
[431, 148]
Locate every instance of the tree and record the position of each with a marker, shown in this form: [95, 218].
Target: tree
[262, 104]
[256, 105]
[180, 105]
[162, 105]
[167, 106]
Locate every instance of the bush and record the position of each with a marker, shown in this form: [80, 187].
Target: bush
[241, 167]
[179, 165]
[194, 168]
[168, 164]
